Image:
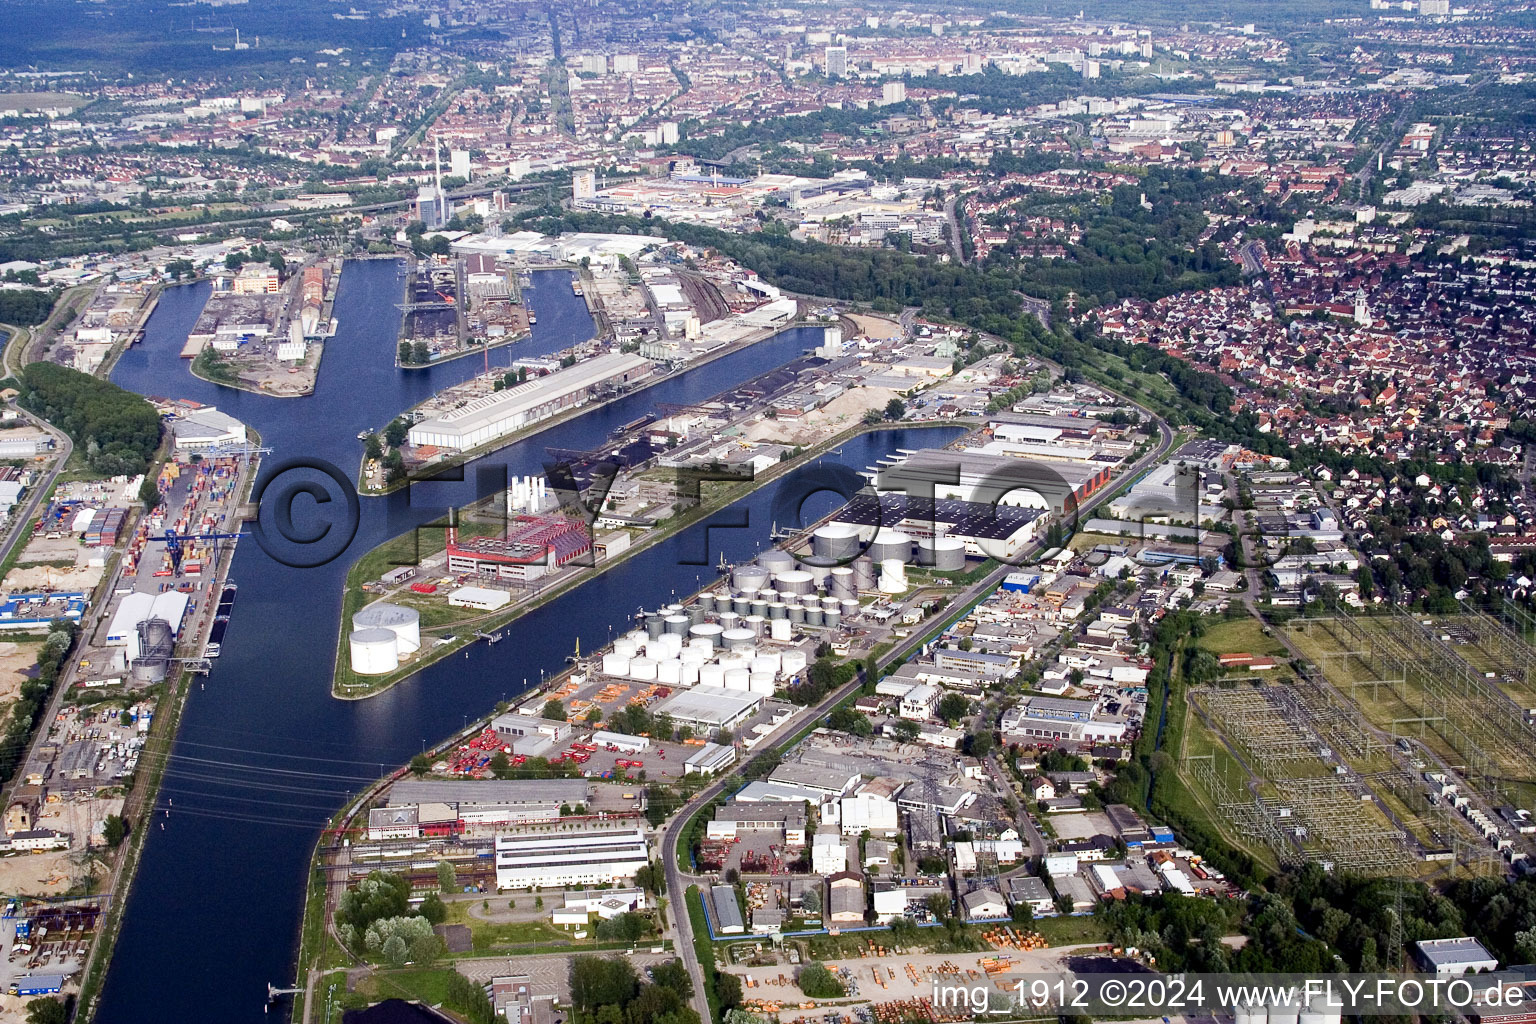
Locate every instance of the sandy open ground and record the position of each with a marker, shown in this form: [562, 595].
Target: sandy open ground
[877, 328]
[844, 411]
[15, 660]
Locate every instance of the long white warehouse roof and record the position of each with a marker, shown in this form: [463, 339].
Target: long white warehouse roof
[505, 411]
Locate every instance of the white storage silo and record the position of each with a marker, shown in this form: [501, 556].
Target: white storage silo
[690, 676]
[643, 670]
[791, 663]
[615, 665]
[626, 647]
[840, 582]
[835, 543]
[695, 655]
[706, 635]
[374, 651]
[946, 554]
[776, 560]
[404, 622]
[669, 673]
[749, 577]
[765, 663]
[779, 629]
[795, 581]
[739, 639]
[711, 675]
[893, 576]
[671, 643]
[890, 544]
[760, 682]
[737, 679]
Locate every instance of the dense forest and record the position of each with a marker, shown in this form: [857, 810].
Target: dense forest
[23, 307]
[115, 430]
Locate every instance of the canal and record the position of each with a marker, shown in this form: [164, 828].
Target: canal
[265, 755]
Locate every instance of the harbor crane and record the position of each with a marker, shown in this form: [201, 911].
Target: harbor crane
[173, 542]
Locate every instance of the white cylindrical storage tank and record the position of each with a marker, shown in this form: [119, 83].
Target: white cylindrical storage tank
[891, 544]
[760, 682]
[696, 655]
[779, 629]
[893, 576]
[404, 622]
[833, 619]
[1249, 1015]
[739, 639]
[765, 663]
[795, 581]
[735, 659]
[797, 613]
[374, 651]
[643, 670]
[737, 679]
[792, 663]
[635, 636]
[864, 573]
[840, 581]
[625, 647]
[690, 676]
[711, 675]
[673, 642]
[615, 665]
[749, 577]
[706, 635]
[756, 623]
[812, 616]
[818, 572]
[835, 543]
[669, 673]
[776, 560]
[653, 649]
[778, 610]
[677, 623]
[946, 554]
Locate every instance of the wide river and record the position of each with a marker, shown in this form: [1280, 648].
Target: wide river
[265, 755]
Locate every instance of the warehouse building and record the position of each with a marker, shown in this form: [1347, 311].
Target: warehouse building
[493, 802]
[206, 429]
[496, 415]
[529, 736]
[598, 857]
[728, 919]
[170, 607]
[533, 546]
[710, 707]
[988, 530]
[994, 479]
[738, 816]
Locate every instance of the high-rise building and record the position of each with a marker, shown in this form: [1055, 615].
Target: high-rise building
[458, 163]
[837, 62]
[625, 64]
[669, 133]
[893, 92]
[1090, 68]
[594, 64]
[583, 185]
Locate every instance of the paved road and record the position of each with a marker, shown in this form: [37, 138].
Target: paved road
[678, 880]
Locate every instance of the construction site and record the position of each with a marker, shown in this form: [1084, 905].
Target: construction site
[1401, 745]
